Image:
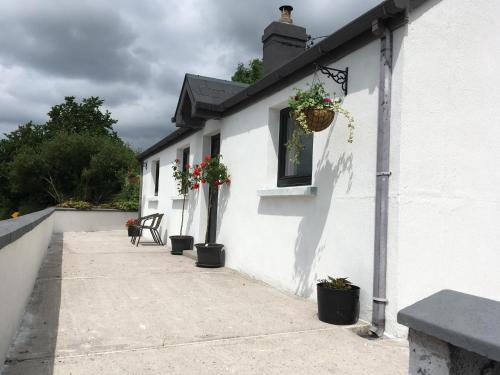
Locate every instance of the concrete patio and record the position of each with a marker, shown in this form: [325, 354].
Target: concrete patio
[103, 306]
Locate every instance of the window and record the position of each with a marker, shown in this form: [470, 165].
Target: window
[290, 174]
[185, 158]
[157, 176]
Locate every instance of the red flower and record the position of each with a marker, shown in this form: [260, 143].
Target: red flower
[327, 100]
[196, 185]
[203, 164]
[208, 158]
[196, 172]
[203, 180]
[177, 160]
[188, 165]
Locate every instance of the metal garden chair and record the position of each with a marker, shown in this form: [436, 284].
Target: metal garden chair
[151, 223]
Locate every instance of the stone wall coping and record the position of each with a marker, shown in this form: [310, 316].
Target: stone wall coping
[463, 320]
[12, 229]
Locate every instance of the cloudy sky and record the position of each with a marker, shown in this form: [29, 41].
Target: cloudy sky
[134, 54]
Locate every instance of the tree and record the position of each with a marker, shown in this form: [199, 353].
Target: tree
[85, 117]
[250, 74]
[76, 154]
[72, 166]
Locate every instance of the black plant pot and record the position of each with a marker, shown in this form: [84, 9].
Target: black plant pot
[209, 255]
[133, 231]
[338, 306]
[181, 243]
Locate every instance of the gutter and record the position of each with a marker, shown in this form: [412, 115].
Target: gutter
[382, 180]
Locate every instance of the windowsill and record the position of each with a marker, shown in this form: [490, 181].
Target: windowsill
[152, 199]
[179, 197]
[288, 191]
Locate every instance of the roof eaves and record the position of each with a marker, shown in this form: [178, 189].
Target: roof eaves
[304, 62]
[173, 137]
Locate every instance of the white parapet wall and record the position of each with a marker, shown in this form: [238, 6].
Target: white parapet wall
[71, 220]
[23, 246]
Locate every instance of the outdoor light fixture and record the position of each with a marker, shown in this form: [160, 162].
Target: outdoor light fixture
[145, 165]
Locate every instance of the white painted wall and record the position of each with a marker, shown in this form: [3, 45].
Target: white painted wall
[69, 220]
[19, 265]
[443, 207]
[449, 208]
[289, 241]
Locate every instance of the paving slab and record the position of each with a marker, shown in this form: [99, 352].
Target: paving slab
[101, 305]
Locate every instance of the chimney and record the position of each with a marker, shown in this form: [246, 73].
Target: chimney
[282, 41]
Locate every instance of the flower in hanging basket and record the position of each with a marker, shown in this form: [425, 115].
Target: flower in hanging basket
[314, 110]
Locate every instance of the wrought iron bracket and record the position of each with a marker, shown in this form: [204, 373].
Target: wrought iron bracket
[339, 76]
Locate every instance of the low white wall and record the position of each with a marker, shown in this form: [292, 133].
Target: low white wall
[70, 220]
[20, 261]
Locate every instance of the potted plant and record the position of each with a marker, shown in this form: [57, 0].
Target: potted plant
[213, 173]
[338, 301]
[314, 110]
[185, 180]
[133, 229]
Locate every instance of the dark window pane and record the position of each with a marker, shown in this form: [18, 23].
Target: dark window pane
[304, 168]
[185, 158]
[289, 173]
[157, 177]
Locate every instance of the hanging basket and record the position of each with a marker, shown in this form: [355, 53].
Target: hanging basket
[317, 119]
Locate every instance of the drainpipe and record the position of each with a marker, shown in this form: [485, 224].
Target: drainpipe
[382, 180]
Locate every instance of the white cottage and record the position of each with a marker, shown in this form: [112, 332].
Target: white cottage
[408, 209]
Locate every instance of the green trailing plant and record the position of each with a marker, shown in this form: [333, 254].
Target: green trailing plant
[185, 180]
[315, 97]
[213, 172]
[336, 283]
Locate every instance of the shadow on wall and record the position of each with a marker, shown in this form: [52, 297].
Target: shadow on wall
[224, 195]
[314, 213]
[308, 249]
[37, 335]
[192, 204]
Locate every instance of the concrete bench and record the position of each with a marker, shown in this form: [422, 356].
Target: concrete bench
[453, 333]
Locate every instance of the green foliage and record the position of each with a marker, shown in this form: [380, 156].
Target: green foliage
[79, 205]
[76, 155]
[85, 117]
[213, 172]
[336, 283]
[315, 97]
[250, 74]
[183, 177]
[128, 198]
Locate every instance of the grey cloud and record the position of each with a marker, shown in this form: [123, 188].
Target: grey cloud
[134, 54]
[73, 42]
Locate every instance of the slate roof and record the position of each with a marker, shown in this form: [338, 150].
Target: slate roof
[212, 90]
